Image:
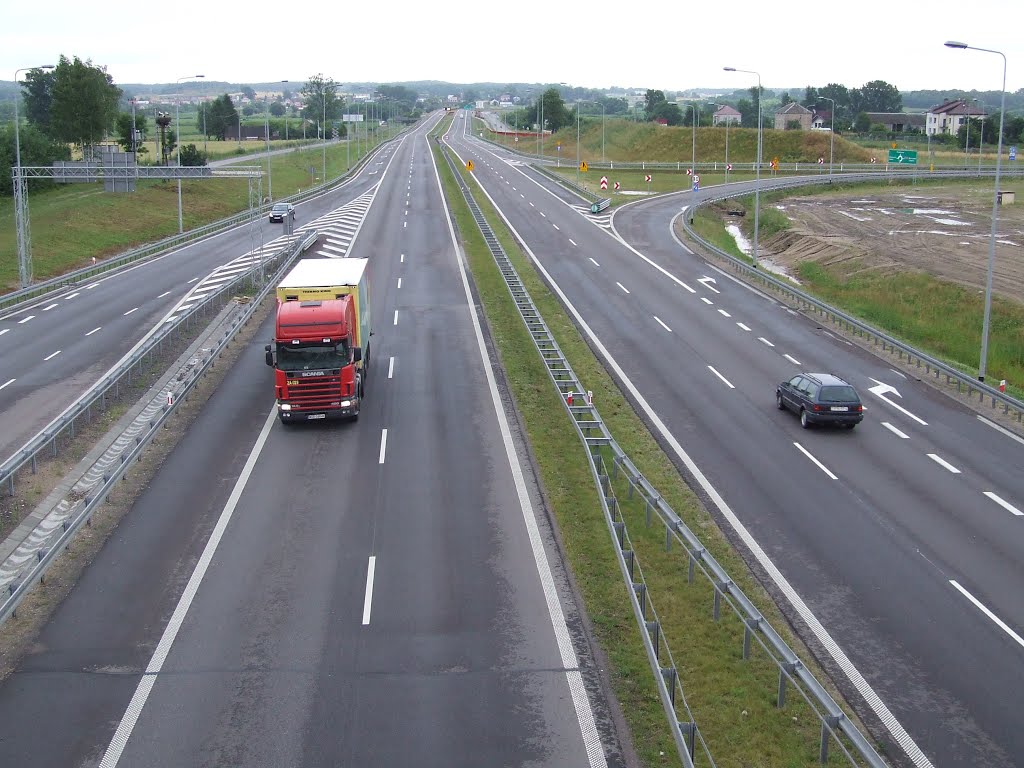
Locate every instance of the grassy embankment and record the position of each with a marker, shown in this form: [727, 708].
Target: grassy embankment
[732, 699]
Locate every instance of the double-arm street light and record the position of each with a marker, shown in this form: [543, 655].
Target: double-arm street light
[757, 172]
[832, 138]
[20, 194]
[995, 208]
[270, 160]
[177, 142]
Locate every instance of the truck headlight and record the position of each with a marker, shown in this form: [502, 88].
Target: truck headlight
[346, 403]
[285, 406]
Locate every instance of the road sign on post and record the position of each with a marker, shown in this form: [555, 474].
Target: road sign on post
[903, 156]
[1013, 153]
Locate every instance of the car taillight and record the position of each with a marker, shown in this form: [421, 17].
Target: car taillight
[818, 407]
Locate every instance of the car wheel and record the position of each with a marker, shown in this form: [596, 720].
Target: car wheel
[850, 426]
[778, 401]
[804, 421]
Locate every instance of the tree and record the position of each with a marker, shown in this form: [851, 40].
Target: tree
[191, 155]
[876, 96]
[248, 92]
[785, 99]
[555, 113]
[125, 135]
[651, 101]
[217, 116]
[36, 149]
[748, 113]
[38, 88]
[277, 109]
[862, 123]
[320, 95]
[85, 102]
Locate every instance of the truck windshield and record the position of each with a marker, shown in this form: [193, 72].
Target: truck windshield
[312, 357]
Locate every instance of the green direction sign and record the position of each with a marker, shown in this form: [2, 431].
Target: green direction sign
[903, 156]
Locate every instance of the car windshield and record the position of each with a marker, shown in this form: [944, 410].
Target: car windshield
[843, 394]
[281, 208]
[312, 357]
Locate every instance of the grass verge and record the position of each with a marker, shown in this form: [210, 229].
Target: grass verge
[732, 699]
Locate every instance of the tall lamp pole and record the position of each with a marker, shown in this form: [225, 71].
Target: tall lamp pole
[995, 208]
[832, 139]
[757, 172]
[177, 142]
[693, 135]
[270, 161]
[21, 195]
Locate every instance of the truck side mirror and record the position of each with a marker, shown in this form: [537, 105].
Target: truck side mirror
[270, 355]
[357, 354]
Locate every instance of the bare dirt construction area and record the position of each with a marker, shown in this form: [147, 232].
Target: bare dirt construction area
[940, 230]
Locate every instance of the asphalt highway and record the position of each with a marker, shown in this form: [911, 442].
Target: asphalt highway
[377, 592]
[894, 548]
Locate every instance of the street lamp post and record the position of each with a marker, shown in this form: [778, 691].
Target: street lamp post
[577, 142]
[693, 136]
[757, 172]
[995, 209]
[832, 139]
[967, 132]
[21, 194]
[177, 142]
[270, 161]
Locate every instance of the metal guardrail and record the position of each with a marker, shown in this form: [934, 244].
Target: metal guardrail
[837, 317]
[159, 247]
[89, 503]
[598, 440]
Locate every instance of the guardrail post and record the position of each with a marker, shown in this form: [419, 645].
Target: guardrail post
[647, 512]
[669, 675]
[654, 632]
[784, 669]
[640, 589]
[619, 528]
[629, 558]
[692, 564]
[828, 723]
[689, 731]
[668, 539]
[750, 625]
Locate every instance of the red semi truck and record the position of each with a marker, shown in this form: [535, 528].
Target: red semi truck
[321, 347]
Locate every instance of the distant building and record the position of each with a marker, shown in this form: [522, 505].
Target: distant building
[726, 115]
[948, 116]
[898, 122]
[793, 112]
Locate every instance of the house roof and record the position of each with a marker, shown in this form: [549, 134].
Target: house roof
[793, 108]
[727, 111]
[956, 107]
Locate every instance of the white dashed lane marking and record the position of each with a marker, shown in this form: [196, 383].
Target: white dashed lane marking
[728, 383]
[943, 463]
[90, 333]
[50, 357]
[662, 324]
[1004, 504]
[817, 463]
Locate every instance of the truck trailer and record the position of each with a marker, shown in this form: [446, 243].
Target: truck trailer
[321, 347]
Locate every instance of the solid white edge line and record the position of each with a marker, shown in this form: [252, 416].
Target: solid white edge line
[895, 431]
[383, 445]
[943, 463]
[368, 597]
[727, 382]
[874, 701]
[580, 700]
[163, 648]
[662, 324]
[1001, 502]
[1008, 433]
[820, 466]
[391, 367]
[981, 607]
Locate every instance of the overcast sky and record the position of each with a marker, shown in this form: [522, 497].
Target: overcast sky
[597, 44]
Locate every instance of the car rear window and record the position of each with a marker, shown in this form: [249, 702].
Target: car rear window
[838, 395]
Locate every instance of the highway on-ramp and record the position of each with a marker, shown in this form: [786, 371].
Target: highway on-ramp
[893, 548]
